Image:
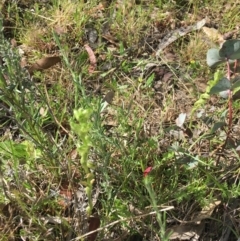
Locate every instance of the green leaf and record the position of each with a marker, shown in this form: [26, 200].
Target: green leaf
[223, 84]
[150, 80]
[213, 58]
[236, 85]
[217, 126]
[230, 49]
[10, 149]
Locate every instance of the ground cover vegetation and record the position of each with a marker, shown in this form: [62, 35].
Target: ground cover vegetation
[119, 120]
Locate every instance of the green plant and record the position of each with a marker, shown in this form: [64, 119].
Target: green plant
[227, 86]
[161, 216]
[81, 125]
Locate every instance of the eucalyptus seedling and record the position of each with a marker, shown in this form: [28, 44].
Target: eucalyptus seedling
[225, 86]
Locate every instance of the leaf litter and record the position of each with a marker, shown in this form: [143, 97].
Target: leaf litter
[44, 63]
[92, 59]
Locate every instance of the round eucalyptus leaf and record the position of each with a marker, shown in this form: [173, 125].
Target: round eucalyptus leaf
[213, 58]
[222, 85]
[230, 49]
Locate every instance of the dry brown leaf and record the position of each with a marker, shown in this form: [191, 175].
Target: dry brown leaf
[167, 76]
[13, 43]
[110, 39]
[176, 34]
[189, 231]
[94, 223]
[109, 97]
[206, 212]
[60, 30]
[73, 154]
[170, 57]
[213, 34]
[92, 59]
[23, 62]
[65, 195]
[44, 63]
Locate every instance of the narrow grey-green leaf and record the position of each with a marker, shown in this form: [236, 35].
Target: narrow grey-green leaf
[230, 49]
[223, 84]
[213, 58]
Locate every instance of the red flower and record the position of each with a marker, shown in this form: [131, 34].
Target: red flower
[147, 171]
